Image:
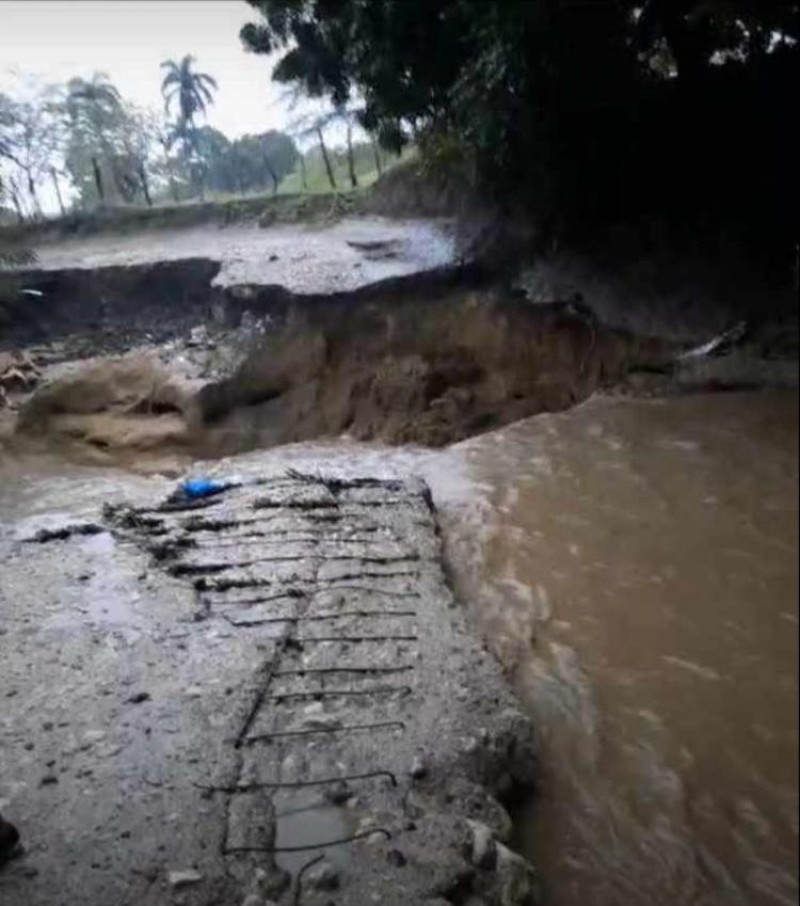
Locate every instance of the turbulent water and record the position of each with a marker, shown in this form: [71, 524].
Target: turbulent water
[634, 563]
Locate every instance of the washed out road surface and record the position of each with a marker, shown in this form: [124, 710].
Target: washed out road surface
[271, 695]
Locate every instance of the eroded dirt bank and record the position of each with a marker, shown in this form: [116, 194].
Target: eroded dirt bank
[429, 358]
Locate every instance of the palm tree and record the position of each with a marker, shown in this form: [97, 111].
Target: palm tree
[193, 90]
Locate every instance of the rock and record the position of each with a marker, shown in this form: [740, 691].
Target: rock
[516, 877]
[179, 879]
[253, 899]
[484, 851]
[396, 858]
[323, 876]
[270, 885]
[418, 767]
[339, 794]
[139, 697]
[197, 336]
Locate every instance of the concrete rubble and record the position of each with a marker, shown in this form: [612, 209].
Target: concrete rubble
[285, 705]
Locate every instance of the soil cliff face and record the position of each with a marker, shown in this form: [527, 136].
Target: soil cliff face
[430, 367]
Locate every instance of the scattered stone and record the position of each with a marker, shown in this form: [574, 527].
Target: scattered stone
[516, 877]
[139, 697]
[323, 876]
[253, 899]
[396, 858]
[179, 879]
[418, 767]
[197, 336]
[339, 794]
[484, 851]
[270, 885]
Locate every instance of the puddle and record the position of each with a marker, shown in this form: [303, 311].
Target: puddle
[306, 818]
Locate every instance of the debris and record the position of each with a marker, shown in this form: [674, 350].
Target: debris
[396, 858]
[324, 876]
[719, 345]
[198, 336]
[253, 899]
[484, 852]
[418, 767]
[178, 879]
[517, 878]
[18, 373]
[62, 532]
[138, 698]
[196, 488]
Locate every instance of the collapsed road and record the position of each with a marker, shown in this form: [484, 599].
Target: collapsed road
[268, 695]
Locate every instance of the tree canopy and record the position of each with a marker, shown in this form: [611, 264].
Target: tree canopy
[586, 109]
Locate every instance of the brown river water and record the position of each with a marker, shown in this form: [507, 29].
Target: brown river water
[634, 563]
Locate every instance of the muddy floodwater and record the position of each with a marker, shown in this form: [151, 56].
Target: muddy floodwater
[634, 564]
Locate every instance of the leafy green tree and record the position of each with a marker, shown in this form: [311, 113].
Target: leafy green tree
[581, 110]
[95, 112]
[30, 142]
[263, 159]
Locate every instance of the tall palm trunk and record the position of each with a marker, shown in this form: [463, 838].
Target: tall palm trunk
[351, 164]
[324, 150]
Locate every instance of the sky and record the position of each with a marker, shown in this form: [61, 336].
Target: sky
[128, 39]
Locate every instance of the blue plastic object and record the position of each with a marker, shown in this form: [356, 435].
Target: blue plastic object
[196, 488]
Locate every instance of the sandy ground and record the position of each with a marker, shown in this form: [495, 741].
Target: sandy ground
[303, 258]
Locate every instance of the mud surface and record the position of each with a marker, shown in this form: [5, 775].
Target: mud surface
[303, 259]
[244, 686]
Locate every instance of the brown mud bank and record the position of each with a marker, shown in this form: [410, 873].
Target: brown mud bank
[429, 358]
[430, 366]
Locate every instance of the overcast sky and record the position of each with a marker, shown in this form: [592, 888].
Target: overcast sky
[128, 39]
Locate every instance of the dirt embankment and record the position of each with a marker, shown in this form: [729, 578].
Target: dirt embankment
[430, 367]
[426, 359]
